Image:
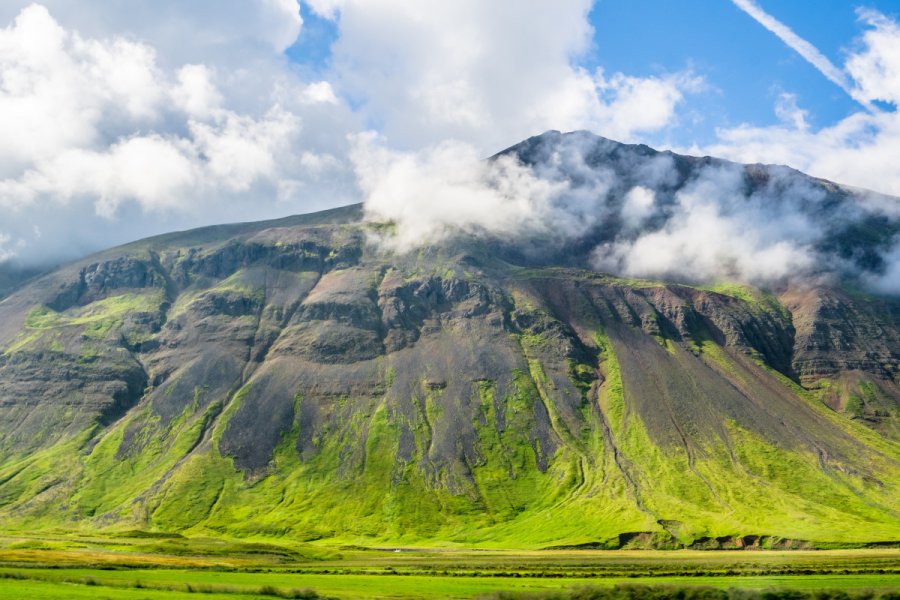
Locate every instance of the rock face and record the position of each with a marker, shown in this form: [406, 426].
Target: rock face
[289, 378]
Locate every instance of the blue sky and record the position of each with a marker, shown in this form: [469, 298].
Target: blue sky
[745, 65]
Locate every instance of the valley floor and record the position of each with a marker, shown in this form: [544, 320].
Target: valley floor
[67, 566]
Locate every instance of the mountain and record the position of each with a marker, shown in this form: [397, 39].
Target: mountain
[293, 378]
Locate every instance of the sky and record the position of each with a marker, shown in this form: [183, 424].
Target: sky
[121, 119]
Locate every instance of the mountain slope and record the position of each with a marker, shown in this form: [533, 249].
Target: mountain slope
[289, 378]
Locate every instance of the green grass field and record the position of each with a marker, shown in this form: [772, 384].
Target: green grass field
[174, 585]
[152, 568]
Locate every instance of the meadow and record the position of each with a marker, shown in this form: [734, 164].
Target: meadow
[135, 566]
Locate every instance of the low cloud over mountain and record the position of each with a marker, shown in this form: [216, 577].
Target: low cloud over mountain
[646, 213]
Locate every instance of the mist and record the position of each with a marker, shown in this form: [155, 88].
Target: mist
[646, 214]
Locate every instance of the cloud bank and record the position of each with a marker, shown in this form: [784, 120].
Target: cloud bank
[106, 139]
[121, 120]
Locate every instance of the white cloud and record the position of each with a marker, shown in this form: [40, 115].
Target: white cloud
[241, 149]
[326, 8]
[97, 130]
[445, 189]
[639, 105]
[320, 91]
[789, 112]
[889, 281]
[637, 206]
[858, 151]
[876, 69]
[715, 232]
[282, 18]
[114, 89]
[196, 93]
[148, 169]
[56, 88]
[214, 32]
[487, 73]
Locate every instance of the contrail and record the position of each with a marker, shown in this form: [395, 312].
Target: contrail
[802, 47]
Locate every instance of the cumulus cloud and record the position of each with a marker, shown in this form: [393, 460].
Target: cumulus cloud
[93, 127]
[7, 248]
[488, 73]
[148, 169]
[215, 32]
[857, 150]
[876, 68]
[56, 88]
[789, 112]
[196, 93]
[633, 105]
[74, 111]
[554, 189]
